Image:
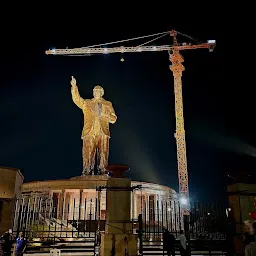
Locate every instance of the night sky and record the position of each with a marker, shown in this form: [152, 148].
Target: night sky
[41, 127]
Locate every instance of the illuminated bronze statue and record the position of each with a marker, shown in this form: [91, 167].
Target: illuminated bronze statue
[98, 113]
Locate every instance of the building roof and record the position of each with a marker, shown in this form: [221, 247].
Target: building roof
[83, 181]
[12, 169]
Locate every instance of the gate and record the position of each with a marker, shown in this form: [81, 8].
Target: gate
[44, 218]
[50, 223]
[206, 228]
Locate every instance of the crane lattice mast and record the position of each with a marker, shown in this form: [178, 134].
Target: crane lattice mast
[176, 59]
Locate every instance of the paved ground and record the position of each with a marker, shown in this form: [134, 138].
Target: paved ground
[90, 254]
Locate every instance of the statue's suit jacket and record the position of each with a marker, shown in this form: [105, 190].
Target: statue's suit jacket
[89, 108]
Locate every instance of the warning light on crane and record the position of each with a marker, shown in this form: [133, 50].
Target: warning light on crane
[212, 43]
[176, 59]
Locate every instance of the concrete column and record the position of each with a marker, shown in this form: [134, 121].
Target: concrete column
[135, 211]
[64, 205]
[83, 205]
[118, 234]
[60, 204]
[147, 206]
[132, 205]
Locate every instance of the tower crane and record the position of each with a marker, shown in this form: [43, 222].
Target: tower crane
[176, 60]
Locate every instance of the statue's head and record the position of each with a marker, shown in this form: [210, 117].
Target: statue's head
[98, 92]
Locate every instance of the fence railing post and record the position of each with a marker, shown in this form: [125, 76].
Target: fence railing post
[140, 234]
[187, 232]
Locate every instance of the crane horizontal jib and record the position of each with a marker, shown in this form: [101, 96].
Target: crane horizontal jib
[100, 50]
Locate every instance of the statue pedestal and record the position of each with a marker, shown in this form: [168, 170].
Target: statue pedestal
[119, 229]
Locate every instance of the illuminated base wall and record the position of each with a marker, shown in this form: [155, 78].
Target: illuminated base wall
[11, 180]
[81, 191]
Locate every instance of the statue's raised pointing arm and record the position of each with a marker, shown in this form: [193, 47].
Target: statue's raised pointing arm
[78, 100]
